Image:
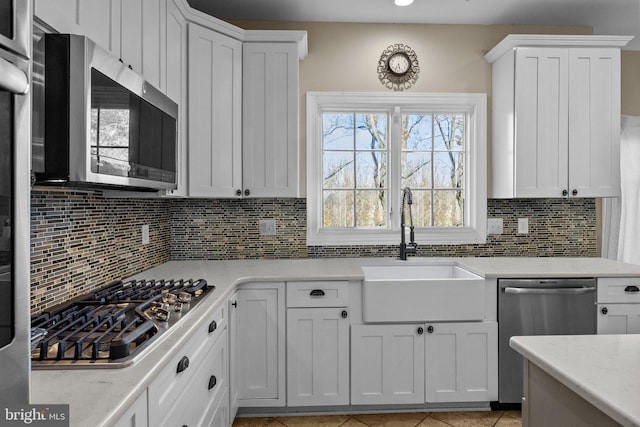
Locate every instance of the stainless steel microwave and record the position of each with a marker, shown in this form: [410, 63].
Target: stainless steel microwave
[104, 125]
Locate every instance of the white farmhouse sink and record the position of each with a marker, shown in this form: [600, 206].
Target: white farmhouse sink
[421, 293]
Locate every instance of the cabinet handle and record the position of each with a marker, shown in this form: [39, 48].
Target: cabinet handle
[247, 192]
[234, 304]
[213, 326]
[238, 192]
[430, 329]
[212, 382]
[604, 310]
[317, 293]
[420, 330]
[574, 192]
[344, 314]
[632, 289]
[183, 364]
[565, 192]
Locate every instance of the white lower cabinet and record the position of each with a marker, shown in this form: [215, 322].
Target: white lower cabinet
[619, 318]
[317, 356]
[416, 363]
[136, 415]
[260, 355]
[387, 364]
[461, 362]
[194, 383]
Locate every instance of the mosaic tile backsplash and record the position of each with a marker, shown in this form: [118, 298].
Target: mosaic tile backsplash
[81, 240]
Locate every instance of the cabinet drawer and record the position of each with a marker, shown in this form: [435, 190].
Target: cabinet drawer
[619, 290]
[318, 294]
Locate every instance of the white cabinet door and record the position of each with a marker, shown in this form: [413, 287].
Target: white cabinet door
[136, 415]
[270, 120]
[317, 356]
[97, 19]
[175, 84]
[215, 125]
[461, 362]
[234, 356]
[541, 122]
[594, 122]
[618, 319]
[260, 359]
[387, 364]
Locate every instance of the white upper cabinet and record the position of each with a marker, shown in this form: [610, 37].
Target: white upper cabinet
[215, 113]
[270, 120]
[556, 116]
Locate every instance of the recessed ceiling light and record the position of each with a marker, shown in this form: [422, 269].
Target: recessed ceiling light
[403, 2]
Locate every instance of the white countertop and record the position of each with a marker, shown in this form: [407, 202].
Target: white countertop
[602, 369]
[99, 397]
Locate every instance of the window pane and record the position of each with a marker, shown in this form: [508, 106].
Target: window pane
[420, 209]
[449, 170]
[449, 132]
[337, 169]
[371, 131]
[448, 208]
[338, 209]
[337, 131]
[416, 170]
[371, 207]
[416, 132]
[371, 169]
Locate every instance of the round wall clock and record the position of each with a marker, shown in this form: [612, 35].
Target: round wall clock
[398, 67]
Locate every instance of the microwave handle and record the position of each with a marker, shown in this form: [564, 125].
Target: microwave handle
[12, 78]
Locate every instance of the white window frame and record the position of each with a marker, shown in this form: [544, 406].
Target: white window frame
[474, 104]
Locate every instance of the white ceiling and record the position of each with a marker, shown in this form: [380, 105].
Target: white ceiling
[613, 17]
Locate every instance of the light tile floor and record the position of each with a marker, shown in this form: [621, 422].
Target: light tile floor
[417, 419]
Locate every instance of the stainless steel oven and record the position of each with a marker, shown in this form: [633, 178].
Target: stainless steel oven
[539, 307]
[15, 141]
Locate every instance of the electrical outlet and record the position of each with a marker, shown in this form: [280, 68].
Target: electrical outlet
[145, 234]
[267, 227]
[523, 225]
[495, 226]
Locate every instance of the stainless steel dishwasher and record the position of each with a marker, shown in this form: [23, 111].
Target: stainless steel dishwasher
[539, 307]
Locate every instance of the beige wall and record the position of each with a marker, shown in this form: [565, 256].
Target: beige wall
[631, 83]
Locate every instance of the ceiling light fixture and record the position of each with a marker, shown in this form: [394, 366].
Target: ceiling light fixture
[403, 2]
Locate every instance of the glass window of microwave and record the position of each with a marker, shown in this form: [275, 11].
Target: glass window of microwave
[129, 136]
[6, 212]
[6, 18]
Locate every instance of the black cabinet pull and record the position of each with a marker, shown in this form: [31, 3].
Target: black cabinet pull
[317, 293]
[212, 382]
[604, 310]
[574, 192]
[565, 192]
[183, 364]
[344, 314]
[430, 329]
[420, 330]
[247, 192]
[213, 326]
[632, 289]
[234, 304]
[238, 192]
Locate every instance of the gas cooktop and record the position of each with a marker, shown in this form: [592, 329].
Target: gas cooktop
[108, 328]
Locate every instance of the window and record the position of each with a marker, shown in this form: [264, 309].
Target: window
[362, 149]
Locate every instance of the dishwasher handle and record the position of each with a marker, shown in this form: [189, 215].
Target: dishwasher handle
[549, 291]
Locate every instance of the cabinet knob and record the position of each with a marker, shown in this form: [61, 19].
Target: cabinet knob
[604, 310]
[344, 314]
[213, 326]
[565, 192]
[420, 330]
[212, 382]
[183, 364]
[247, 192]
[238, 192]
[234, 304]
[430, 329]
[574, 192]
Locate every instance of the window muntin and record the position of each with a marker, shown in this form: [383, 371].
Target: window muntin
[440, 153]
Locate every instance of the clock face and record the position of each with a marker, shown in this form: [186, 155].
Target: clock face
[399, 64]
[398, 67]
